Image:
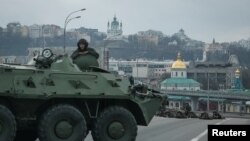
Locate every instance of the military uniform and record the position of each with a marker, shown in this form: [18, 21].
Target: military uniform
[85, 58]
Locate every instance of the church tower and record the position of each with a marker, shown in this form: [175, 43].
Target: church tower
[178, 69]
[237, 82]
[114, 28]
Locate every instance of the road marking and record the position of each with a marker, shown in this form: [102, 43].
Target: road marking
[199, 136]
[218, 123]
[205, 132]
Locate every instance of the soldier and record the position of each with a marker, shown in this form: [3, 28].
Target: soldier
[187, 109]
[84, 57]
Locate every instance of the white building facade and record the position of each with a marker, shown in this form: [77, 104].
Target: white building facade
[141, 68]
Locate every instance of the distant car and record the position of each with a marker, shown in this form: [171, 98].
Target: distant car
[192, 115]
[206, 115]
[217, 115]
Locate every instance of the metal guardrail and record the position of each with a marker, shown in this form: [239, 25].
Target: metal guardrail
[214, 94]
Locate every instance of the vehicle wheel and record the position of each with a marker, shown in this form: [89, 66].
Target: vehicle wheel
[62, 123]
[26, 135]
[115, 124]
[7, 124]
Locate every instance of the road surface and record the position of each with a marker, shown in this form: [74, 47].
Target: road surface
[172, 129]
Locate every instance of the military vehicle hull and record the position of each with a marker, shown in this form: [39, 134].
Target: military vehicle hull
[60, 102]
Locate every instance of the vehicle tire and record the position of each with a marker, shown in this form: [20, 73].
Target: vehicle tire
[7, 124]
[62, 123]
[115, 124]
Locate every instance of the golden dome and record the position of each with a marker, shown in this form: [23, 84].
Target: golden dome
[237, 72]
[178, 64]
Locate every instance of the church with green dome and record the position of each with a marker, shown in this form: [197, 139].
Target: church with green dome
[179, 80]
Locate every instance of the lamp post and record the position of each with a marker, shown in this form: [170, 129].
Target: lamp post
[43, 37]
[67, 20]
[208, 90]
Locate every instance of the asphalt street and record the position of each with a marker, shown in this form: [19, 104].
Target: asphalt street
[172, 129]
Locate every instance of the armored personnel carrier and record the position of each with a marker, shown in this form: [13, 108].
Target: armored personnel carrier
[55, 101]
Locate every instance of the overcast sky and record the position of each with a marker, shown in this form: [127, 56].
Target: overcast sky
[224, 20]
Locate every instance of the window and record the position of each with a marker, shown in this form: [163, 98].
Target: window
[228, 108]
[177, 104]
[176, 74]
[181, 73]
[171, 104]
